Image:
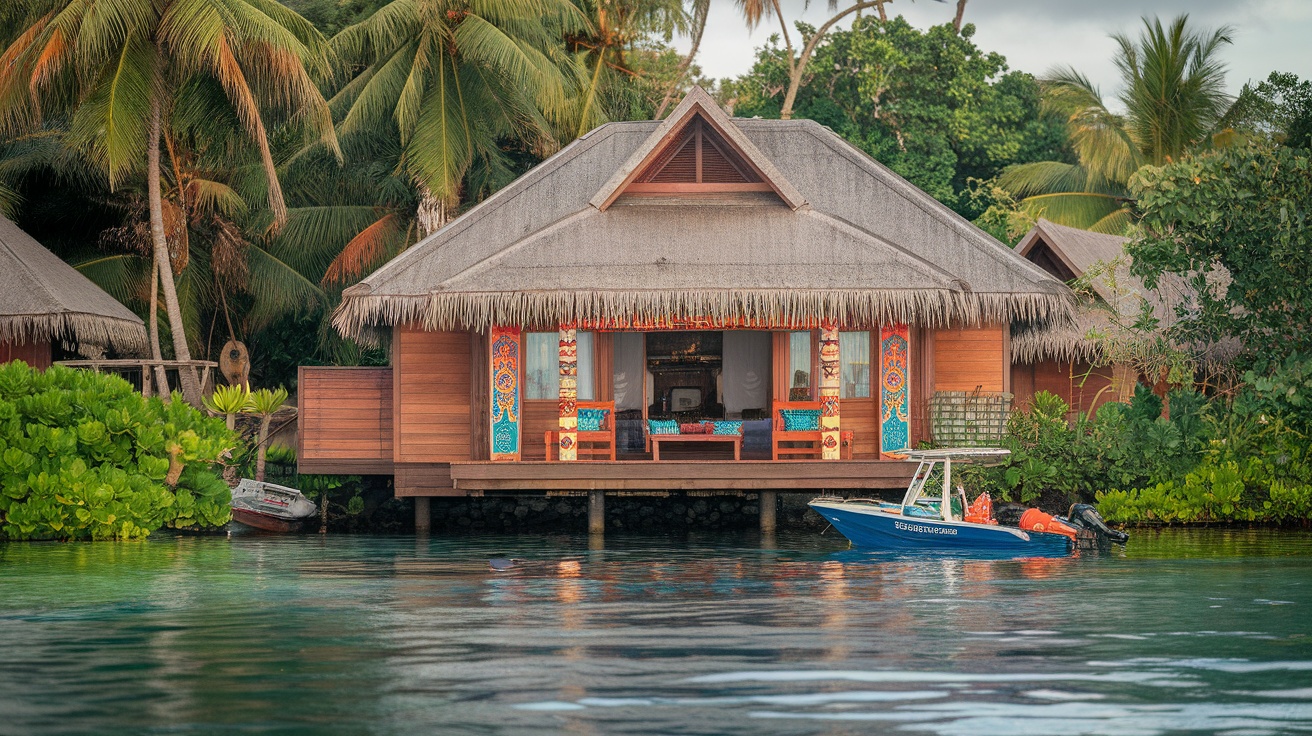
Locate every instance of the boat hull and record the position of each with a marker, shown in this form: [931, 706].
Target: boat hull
[867, 526]
[265, 522]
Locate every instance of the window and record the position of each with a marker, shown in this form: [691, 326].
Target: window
[542, 366]
[799, 366]
[854, 364]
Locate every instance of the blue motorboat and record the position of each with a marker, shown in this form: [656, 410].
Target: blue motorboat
[932, 517]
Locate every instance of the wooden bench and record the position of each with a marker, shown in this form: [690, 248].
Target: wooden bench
[591, 445]
[657, 439]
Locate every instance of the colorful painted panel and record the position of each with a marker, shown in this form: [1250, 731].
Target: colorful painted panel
[505, 365]
[569, 394]
[894, 389]
[830, 374]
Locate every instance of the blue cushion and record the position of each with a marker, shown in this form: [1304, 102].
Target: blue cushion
[662, 426]
[727, 428]
[801, 420]
[590, 419]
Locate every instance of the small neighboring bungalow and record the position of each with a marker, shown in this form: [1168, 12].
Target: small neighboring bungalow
[695, 304]
[1060, 359]
[49, 311]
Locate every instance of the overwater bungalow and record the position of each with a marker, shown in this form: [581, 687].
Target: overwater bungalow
[48, 310]
[695, 304]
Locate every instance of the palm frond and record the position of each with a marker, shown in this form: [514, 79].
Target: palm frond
[1073, 209]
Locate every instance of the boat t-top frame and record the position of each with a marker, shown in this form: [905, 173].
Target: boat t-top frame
[931, 459]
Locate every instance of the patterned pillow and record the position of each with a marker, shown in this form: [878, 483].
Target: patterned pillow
[726, 427]
[590, 419]
[662, 426]
[801, 420]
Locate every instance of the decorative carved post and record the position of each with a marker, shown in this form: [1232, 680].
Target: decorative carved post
[505, 366]
[894, 389]
[569, 394]
[830, 368]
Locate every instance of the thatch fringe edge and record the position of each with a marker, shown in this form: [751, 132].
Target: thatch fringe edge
[1062, 344]
[121, 335]
[359, 314]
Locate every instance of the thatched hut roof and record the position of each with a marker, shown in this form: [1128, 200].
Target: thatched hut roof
[834, 236]
[44, 299]
[1070, 253]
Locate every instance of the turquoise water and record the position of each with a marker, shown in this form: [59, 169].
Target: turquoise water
[1188, 632]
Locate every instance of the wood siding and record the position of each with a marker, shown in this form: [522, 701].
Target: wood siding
[970, 358]
[1078, 385]
[861, 418]
[539, 416]
[434, 388]
[35, 354]
[344, 420]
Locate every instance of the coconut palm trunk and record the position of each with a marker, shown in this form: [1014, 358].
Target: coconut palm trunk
[186, 373]
[161, 377]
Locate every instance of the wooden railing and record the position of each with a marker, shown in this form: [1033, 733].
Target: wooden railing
[146, 367]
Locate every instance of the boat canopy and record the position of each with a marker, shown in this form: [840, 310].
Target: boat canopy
[941, 460]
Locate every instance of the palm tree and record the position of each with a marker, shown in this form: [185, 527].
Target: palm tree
[1173, 93]
[451, 79]
[117, 65]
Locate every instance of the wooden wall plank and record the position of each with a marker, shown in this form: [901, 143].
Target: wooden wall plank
[344, 424]
[435, 388]
[35, 354]
[966, 359]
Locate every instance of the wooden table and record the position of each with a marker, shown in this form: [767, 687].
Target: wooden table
[657, 439]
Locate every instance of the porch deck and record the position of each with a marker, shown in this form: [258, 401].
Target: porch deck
[801, 476]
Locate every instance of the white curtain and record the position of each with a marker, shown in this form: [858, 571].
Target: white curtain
[542, 366]
[854, 359]
[630, 365]
[746, 377]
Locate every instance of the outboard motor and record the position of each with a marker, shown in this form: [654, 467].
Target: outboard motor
[1085, 516]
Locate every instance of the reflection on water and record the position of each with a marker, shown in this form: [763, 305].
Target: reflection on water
[1203, 631]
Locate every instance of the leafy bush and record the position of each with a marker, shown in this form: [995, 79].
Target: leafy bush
[1057, 461]
[84, 456]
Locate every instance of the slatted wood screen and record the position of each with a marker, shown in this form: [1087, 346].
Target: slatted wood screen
[344, 424]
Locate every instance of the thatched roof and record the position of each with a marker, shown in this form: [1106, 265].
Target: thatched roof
[1073, 253]
[44, 299]
[834, 236]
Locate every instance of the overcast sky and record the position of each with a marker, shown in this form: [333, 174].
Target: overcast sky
[1036, 35]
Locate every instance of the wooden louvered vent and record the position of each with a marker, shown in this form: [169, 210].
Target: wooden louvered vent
[699, 160]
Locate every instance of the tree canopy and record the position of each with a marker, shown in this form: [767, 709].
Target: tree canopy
[929, 104]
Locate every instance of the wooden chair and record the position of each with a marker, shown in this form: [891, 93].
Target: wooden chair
[800, 445]
[592, 445]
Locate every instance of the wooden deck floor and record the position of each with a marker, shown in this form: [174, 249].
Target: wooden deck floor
[802, 476]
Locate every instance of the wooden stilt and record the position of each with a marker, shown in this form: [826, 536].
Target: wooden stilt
[423, 515]
[596, 512]
[769, 500]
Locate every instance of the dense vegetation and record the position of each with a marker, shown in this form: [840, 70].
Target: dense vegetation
[84, 456]
[227, 174]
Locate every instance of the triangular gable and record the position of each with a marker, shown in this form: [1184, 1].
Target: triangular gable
[697, 148]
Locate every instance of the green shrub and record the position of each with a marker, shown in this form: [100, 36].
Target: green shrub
[84, 456]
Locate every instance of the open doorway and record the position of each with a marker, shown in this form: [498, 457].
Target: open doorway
[684, 371]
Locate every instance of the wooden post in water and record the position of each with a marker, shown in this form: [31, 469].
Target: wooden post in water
[423, 515]
[769, 500]
[596, 512]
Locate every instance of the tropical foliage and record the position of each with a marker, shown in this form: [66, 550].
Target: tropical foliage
[84, 456]
[931, 105]
[1235, 224]
[1173, 94]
